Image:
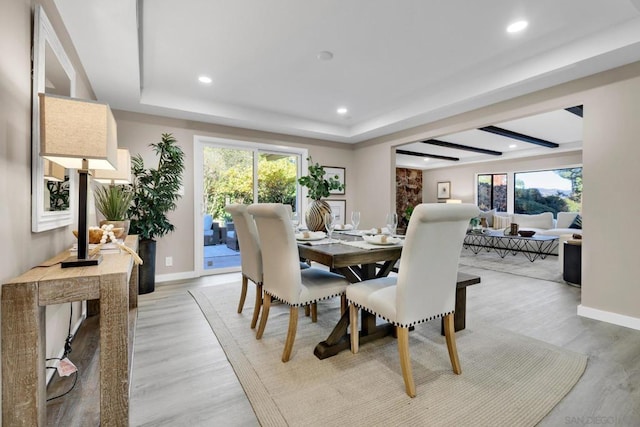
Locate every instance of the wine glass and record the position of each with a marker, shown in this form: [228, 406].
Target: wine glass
[295, 221]
[329, 223]
[392, 222]
[355, 219]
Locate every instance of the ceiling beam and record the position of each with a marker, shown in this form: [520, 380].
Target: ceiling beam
[577, 110]
[431, 156]
[519, 136]
[461, 147]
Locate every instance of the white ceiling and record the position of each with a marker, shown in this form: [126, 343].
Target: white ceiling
[395, 64]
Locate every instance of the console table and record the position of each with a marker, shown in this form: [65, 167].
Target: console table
[115, 284]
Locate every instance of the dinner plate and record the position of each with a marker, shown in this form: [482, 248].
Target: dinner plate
[375, 240]
[312, 236]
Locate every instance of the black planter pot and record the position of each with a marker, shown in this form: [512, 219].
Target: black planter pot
[147, 271]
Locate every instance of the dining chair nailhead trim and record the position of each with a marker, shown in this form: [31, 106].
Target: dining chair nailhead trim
[401, 325]
[301, 304]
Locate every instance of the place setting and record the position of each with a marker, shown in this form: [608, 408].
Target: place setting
[376, 238]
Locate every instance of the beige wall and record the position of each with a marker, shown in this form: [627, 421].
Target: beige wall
[137, 131]
[463, 177]
[611, 205]
[23, 249]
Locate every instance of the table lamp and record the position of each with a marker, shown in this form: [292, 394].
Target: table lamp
[122, 173]
[53, 171]
[78, 134]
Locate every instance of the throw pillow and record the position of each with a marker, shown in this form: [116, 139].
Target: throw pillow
[577, 222]
[488, 215]
[501, 222]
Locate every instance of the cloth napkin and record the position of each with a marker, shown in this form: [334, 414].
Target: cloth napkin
[383, 230]
[310, 234]
[364, 245]
[343, 227]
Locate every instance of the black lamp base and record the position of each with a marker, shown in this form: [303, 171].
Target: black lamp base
[74, 261]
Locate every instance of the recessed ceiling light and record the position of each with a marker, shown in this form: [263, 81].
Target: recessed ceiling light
[205, 79]
[517, 26]
[426, 159]
[512, 146]
[325, 55]
[342, 110]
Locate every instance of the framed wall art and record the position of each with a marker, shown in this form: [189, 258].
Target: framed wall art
[338, 209]
[332, 171]
[444, 190]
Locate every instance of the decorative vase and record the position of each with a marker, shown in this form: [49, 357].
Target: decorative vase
[124, 225]
[314, 216]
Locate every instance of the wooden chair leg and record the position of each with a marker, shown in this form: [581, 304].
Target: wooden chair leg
[450, 335]
[291, 333]
[314, 312]
[257, 305]
[355, 334]
[243, 293]
[405, 360]
[343, 304]
[265, 314]
[307, 310]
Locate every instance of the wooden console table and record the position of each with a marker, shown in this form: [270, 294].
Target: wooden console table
[115, 284]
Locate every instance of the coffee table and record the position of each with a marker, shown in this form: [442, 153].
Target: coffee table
[537, 246]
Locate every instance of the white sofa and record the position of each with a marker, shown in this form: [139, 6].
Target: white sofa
[542, 224]
[545, 224]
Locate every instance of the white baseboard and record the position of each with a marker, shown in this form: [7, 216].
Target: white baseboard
[609, 317]
[184, 275]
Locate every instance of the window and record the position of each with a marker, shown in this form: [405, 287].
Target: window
[492, 192]
[557, 190]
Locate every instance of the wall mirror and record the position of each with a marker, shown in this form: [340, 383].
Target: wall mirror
[51, 185]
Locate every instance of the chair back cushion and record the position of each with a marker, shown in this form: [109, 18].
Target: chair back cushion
[427, 275]
[280, 259]
[247, 235]
[207, 222]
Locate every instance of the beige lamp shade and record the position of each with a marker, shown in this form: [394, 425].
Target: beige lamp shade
[122, 174]
[73, 130]
[53, 171]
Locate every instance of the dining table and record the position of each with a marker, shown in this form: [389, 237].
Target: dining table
[357, 264]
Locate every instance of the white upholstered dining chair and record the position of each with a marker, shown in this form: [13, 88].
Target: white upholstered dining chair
[282, 277]
[250, 256]
[425, 286]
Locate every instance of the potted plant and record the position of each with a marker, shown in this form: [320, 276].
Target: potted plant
[155, 194]
[319, 186]
[113, 202]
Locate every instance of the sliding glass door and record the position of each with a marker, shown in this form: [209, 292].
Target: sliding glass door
[232, 172]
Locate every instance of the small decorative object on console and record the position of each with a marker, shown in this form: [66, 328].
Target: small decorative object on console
[526, 233]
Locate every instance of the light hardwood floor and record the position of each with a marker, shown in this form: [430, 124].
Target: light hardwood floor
[182, 378]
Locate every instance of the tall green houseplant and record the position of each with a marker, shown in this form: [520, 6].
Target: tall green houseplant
[155, 194]
[319, 185]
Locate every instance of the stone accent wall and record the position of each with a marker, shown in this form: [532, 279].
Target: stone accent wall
[408, 192]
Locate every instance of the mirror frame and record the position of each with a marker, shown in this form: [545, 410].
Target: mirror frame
[43, 34]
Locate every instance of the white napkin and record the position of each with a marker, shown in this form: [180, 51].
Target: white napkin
[310, 235]
[381, 239]
[383, 230]
[364, 245]
[340, 227]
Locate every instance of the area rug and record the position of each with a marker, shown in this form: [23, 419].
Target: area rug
[507, 379]
[545, 269]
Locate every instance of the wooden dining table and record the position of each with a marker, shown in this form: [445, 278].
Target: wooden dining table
[358, 264]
